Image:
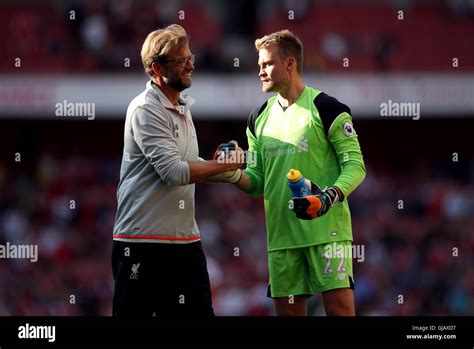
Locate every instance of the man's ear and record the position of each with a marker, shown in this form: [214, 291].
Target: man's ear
[291, 62]
[156, 69]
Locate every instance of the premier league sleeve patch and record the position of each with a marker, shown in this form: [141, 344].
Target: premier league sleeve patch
[348, 129]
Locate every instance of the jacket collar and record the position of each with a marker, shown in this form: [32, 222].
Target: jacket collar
[184, 99]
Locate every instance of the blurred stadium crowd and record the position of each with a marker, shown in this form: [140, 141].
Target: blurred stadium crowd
[97, 36]
[409, 250]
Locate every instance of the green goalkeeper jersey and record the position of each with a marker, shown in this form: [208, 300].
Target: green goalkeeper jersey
[315, 136]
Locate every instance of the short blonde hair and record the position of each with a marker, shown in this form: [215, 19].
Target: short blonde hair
[288, 45]
[159, 42]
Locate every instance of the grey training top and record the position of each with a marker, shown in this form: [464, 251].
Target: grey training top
[155, 199]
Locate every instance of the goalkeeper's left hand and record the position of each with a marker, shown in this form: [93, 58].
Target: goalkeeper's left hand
[318, 204]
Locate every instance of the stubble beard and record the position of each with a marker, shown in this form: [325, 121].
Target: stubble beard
[177, 84]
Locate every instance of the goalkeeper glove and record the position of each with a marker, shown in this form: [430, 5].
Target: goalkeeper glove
[226, 152]
[318, 204]
[232, 176]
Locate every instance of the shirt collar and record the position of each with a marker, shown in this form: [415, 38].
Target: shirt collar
[184, 99]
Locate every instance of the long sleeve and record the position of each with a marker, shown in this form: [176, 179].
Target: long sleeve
[255, 166]
[345, 141]
[154, 136]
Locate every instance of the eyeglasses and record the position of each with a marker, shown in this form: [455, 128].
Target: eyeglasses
[183, 60]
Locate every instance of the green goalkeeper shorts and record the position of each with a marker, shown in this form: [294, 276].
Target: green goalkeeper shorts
[309, 270]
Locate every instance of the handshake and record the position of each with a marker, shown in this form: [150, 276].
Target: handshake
[229, 153]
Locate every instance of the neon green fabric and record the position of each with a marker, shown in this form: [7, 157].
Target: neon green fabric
[295, 137]
[309, 270]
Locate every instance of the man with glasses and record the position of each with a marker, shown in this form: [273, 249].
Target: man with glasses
[158, 263]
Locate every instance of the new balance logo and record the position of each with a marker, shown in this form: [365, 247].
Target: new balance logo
[134, 275]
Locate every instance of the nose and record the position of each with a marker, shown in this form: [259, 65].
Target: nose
[189, 64]
[261, 72]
